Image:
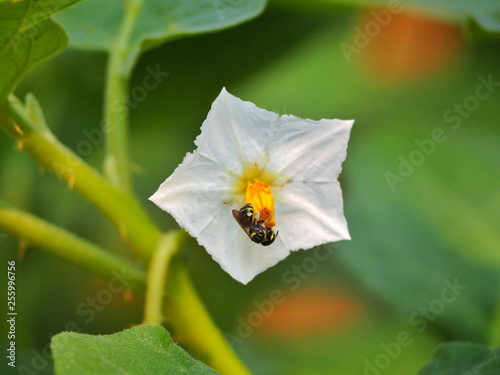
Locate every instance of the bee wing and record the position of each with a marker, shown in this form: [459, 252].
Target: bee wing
[242, 220]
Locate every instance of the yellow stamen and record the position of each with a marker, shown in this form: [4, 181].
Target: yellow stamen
[259, 195]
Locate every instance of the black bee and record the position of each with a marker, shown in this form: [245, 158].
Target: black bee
[253, 227]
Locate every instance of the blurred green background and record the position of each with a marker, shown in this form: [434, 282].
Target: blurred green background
[438, 224]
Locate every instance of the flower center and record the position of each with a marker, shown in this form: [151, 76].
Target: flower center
[259, 195]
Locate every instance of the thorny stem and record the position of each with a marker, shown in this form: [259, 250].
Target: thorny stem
[186, 312]
[120, 206]
[69, 247]
[184, 307]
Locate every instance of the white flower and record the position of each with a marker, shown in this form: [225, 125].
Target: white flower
[249, 155]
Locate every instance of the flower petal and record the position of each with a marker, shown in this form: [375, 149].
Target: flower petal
[306, 157]
[307, 150]
[234, 251]
[309, 214]
[196, 189]
[197, 195]
[235, 132]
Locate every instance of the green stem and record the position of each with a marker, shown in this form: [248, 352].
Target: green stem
[157, 274]
[120, 206]
[116, 163]
[68, 246]
[189, 317]
[186, 312]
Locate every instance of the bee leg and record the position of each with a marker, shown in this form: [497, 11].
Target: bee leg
[257, 217]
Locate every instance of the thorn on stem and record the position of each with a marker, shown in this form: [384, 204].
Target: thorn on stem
[128, 296]
[71, 181]
[166, 318]
[18, 130]
[22, 249]
[123, 231]
[178, 338]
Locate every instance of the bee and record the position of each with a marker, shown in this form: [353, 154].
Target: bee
[253, 227]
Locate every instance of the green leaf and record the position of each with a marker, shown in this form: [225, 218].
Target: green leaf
[482, 13]
[469, 228]
[463, 358]
[28, 14]
[140, 350]
[450, 9]
[21, 16]
[484, 25]
[404, 261]
[27, 37]
[23, 52]
[407, 243]
[371, 346]
[95, 26]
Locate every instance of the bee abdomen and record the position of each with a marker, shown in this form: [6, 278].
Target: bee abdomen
[247, 210]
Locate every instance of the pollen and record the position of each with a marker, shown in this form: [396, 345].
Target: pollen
[260, 196]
